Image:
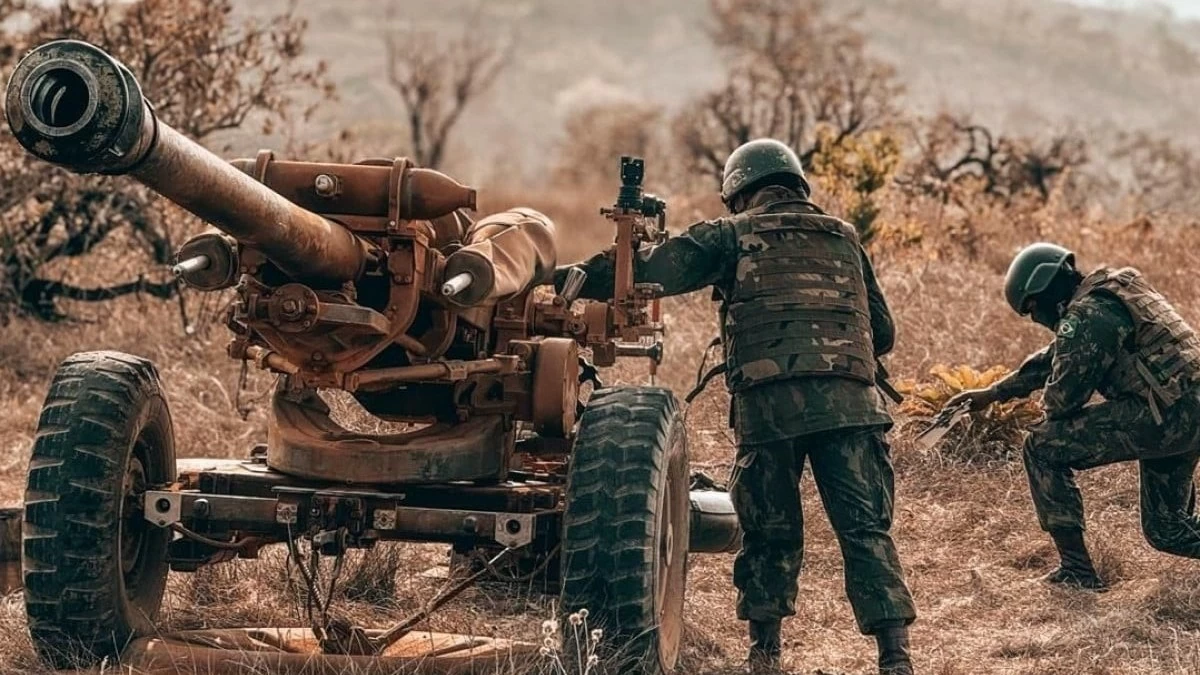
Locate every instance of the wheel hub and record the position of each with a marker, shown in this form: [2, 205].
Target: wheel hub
[671, 575]
[133, 525]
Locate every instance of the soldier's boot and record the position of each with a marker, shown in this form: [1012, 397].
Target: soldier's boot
[1075, 569]
[765, 648]
[894, 659]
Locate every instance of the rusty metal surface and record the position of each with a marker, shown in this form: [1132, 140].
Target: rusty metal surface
[555, 386]
[449, 371]
[161, 509]
[250, 478]
[295, 651]
[269, 517]
[301, 243]
[304, 441]
[363, 189]
[267, 359]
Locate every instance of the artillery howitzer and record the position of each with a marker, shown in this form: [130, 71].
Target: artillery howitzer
[371, 279]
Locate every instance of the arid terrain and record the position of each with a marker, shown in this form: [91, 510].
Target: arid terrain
[964, 522]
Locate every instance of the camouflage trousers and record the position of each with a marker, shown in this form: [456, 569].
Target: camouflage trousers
[853, 472]
[1119, 431]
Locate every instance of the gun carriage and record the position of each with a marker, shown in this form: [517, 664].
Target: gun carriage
[369, 278]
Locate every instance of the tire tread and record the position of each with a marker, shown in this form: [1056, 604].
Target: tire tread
[618, 464]
[75, 471]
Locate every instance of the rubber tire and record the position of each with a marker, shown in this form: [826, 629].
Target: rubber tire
[630, 457]
[103, 410]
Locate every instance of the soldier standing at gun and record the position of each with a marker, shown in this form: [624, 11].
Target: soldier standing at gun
[802, 322]
[1115, 335]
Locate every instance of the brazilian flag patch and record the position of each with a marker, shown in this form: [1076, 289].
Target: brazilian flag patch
[1066, 327]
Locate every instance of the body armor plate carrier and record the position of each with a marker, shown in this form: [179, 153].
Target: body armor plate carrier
[797, 306]
[1163, 361]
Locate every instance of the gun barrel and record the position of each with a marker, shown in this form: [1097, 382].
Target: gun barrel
[72, 104]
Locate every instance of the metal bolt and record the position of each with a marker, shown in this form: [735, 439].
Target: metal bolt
[325, 185]
[513, 526]
[201, 508]
[470, 525]
[291, 306]
[162, 505]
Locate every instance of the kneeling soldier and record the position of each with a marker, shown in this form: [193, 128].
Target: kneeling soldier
[1116, 336]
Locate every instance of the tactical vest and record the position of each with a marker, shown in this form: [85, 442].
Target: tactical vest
[797, 306]
[1163, 361]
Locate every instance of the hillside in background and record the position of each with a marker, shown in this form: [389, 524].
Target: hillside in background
[1025, 65]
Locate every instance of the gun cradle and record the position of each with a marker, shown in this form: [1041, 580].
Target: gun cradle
[407, 351]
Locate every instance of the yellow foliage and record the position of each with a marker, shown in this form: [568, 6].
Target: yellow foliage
[964, 377]
[891, 235]
[863, 163]
[926, 398]
[852, 171]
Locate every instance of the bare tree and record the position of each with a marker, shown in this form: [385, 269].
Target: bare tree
[795, 69]
[957, 157]
[437, 77]
[205, 74]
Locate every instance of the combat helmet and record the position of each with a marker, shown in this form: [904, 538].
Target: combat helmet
[1031, 272]
[753, 161]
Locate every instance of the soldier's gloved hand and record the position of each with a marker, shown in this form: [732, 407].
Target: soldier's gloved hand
[977, 399]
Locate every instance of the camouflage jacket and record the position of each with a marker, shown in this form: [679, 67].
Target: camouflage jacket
[705, 256]
[1074, 366]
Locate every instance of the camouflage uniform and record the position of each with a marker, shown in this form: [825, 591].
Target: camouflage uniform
[1095, 340]
[834, 419]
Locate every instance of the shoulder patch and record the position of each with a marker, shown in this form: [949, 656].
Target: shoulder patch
[1066, 327]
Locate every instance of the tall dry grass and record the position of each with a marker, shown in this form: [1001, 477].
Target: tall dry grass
[966, 530]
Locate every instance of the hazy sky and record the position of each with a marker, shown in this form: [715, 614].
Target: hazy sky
[1189, 8]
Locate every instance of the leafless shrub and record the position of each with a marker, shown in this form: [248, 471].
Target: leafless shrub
[957, 158]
